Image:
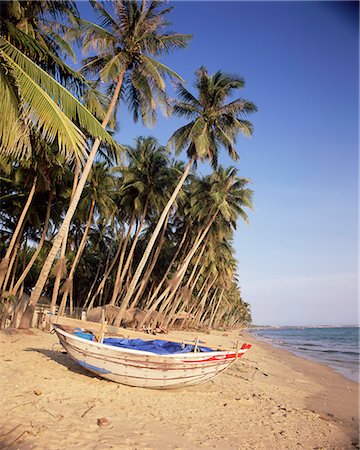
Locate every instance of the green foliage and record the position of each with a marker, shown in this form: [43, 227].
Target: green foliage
[130, 34]
[48, 121]
[214, 123]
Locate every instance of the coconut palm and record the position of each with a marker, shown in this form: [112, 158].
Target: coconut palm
[218, 198]
[125, 46]
[97, 200]
[144, 184]
[34, 104]
[215, 124]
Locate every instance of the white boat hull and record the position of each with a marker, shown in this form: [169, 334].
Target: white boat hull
[145, 369]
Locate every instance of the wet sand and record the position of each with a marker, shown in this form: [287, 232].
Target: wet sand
[270, 399]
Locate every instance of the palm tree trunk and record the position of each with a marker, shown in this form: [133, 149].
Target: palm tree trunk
[151, 243]
[177, 301]
[35, 295]
[16, 263]
[13, 256]
[190, 289]
[170, 291]
[106, 274]
[157, 290]
[149, 270]
[201, 305]
[121, 261]
[91, 288]
[188, 319]
[39, 247]
[69, 281]
[131, 252]
[5, 261]
[216, 309]
[60, 268]
[209, 308]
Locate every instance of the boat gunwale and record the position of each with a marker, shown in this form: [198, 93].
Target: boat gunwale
[188, 355]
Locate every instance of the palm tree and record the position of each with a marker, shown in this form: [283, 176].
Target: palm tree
[144, 185]
[125, 46]
[34, 104]
[97, 199]
[214, 124]
[218, 198]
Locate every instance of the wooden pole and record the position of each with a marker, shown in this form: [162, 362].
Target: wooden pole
[103, 327]
[196, 344]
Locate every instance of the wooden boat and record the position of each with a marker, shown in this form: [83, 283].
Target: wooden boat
[143, 368]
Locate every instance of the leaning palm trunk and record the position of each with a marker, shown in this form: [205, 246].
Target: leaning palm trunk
[27, 269]
[157, 290]
[190, 288]
[8, 299]
[149, 247]
[14, 256]
[14, 270]
[60, 268]
[106, 275]
[171, 290]
[188, 319]
[209, 308]
[125, 270]
[202, 303]
[121, 261]
[70, 279]
[91, 288]
[186, 289]
[5, 262]
[28, 315]
[213, 315]
[149, 270]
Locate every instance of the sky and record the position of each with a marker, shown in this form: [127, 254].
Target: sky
[298, 258]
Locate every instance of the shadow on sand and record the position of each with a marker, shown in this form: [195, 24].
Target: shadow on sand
[61, 357]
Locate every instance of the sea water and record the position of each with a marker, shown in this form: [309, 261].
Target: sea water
[336, 347]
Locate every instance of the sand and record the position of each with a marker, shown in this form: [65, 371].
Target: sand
[270, 399]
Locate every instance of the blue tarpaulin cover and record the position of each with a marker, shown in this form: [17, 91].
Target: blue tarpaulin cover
[157, 346]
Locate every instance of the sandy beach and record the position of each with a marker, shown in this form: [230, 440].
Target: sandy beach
[270, 399]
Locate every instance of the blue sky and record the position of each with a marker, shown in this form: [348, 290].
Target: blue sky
[298, 257]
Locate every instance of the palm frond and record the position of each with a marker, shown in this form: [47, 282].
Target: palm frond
[245, 127]
[45, 115]
[170, 41]
[180, 138]
[110, 71]
[61, 43]
[14, 134]
[96, 37]
[106, 19]
[227, 141]
[163, 68]
[34, 75]
[182, 109]
[187, 97]
[143, 101]
[93, 64]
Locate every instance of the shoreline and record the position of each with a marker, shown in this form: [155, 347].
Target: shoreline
[329, 402]
[348, 373]
[269, 399]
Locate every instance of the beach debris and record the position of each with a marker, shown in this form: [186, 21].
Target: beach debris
[103, 422]
[9, 432]
[89, 409]
[10, 445]
[38, 392]
[21, 404]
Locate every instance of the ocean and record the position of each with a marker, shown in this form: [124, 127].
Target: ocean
[336, 347]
